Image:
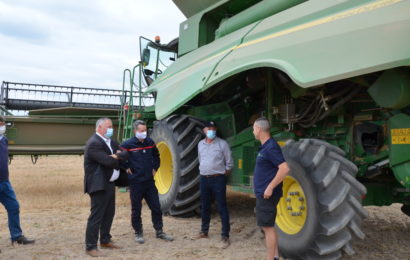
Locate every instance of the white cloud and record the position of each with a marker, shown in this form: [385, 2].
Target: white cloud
[82, 43]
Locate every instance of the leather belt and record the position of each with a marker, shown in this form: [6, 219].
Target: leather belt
[213, 175]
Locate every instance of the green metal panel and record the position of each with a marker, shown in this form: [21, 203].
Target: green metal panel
[399, 140]
[220, 113]
[318, 42]
[315, 42]
[392, 89]
[253, 14]
[185, 77]
[244, 149]
[75, 111]
[191, 7]
[189, 35]
[378, 194]
[199, 29]
[49, 135]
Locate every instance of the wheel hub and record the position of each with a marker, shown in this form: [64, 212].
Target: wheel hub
[292, 209]
[164, 176]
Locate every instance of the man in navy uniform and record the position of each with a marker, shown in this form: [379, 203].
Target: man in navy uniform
[270, 171]
[7, 195]
[143, 163]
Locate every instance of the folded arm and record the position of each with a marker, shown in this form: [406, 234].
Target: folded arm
[97, 154]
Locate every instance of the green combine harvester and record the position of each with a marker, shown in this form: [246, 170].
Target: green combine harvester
[332, 77]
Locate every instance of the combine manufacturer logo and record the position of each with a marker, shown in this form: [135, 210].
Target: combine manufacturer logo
[400, 136]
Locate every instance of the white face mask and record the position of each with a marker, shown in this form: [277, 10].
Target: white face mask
[2, 129]
[142, 135]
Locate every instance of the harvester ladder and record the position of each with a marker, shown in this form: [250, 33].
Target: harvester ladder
[129, 112]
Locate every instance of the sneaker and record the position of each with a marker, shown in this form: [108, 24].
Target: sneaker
[225, 242]
[164, 236]
[139, 238]
[23, 240]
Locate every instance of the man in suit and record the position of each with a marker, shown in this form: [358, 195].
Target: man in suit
[101, 167]
[7, 195]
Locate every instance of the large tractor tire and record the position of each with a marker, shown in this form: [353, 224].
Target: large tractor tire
[320, 212]
[177, 179]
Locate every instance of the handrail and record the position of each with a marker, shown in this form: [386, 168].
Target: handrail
[66, 92]
[53, 86]
[127, 112]
[123, 102]
[4, 111]
[128, 123]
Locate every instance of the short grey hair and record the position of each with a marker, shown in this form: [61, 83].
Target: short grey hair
[101, 121]
[2, 119]
[138, 123]
[263, 123]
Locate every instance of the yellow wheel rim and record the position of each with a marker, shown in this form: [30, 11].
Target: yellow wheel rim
[292, 207]
[164, 176]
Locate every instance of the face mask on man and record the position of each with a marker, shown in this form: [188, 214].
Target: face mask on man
[109, 133]
[211, 134]
[2, 129]
[141, 135]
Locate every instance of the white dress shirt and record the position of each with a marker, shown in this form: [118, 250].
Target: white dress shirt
[115, 173]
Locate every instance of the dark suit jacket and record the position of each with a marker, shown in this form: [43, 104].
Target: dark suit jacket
[99, 165]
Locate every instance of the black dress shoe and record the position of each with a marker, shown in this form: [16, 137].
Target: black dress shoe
[24, 240]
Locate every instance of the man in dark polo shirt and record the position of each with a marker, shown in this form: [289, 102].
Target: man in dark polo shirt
[270, 171]
[7, 195]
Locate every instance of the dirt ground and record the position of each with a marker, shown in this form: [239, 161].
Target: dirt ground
[54, 211]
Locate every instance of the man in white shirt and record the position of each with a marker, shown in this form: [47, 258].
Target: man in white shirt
[101, 167]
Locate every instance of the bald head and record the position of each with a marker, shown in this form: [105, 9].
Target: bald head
[261, 129]
[263, 124]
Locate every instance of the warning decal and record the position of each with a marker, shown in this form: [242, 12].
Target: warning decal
[400, 136]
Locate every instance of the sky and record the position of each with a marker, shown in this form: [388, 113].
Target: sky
[82, 43]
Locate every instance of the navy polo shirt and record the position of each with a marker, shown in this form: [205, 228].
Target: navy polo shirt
[269, 158]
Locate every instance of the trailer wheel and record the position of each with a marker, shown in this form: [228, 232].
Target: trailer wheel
[320, 212]
[177, 179]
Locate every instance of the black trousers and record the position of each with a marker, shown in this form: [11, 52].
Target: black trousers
[148, 191]
[101, 217]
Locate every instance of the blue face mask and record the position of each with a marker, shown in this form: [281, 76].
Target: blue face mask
[211, 134]
[109, 133]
